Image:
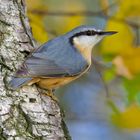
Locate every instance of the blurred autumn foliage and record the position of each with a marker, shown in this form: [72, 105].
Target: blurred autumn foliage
[123, 49]
[36, 21]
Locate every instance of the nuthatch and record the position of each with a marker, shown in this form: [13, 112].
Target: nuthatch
[61, 60]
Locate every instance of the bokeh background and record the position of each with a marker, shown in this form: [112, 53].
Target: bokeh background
[104, 104]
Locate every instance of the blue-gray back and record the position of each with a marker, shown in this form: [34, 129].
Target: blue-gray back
[55, 58]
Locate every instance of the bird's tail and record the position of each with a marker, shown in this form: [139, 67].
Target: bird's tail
[17, 82]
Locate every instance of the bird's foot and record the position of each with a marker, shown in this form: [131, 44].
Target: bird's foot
[49, 93]
[52, 96]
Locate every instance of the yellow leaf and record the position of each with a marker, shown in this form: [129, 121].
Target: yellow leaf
[39, 33]
[117, 44]
[122, 45]
[130, 118]
[121, 68]
[36, 21]
[131, 58]
[129, 8]
[128, 63]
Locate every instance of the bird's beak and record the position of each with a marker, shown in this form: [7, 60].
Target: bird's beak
[107, 32]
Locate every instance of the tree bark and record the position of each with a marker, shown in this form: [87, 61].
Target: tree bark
[24, 114]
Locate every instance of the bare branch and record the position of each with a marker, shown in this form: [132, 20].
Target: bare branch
[96, 64]
[84, 13]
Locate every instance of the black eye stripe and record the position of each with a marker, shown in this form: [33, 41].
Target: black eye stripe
[93, 32]
[88, 33]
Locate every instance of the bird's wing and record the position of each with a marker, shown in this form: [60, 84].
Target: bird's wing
[55, 58]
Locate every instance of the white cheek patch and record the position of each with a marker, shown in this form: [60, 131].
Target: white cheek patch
[87, 41]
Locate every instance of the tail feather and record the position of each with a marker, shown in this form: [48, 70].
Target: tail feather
[18, 82]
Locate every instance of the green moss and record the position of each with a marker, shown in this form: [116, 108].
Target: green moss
[2, 136]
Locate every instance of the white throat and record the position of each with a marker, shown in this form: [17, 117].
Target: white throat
[85, 44]
[87, 41]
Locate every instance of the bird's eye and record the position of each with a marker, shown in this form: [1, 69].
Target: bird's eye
[88, 33]
[93, 33]
[84, 33]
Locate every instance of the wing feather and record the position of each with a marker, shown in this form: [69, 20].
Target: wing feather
[55, 58]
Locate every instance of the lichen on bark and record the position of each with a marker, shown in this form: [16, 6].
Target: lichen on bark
[24, 114]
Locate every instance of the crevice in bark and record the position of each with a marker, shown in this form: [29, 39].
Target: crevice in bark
[4, 22]
[22, 16]
[3, 64]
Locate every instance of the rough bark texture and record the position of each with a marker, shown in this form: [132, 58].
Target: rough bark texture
[24, 114]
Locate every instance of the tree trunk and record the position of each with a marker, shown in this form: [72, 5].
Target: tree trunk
[24, 114]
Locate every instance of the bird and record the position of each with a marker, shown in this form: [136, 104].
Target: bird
[60, 60]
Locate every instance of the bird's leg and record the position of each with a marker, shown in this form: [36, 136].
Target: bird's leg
[50, 93]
